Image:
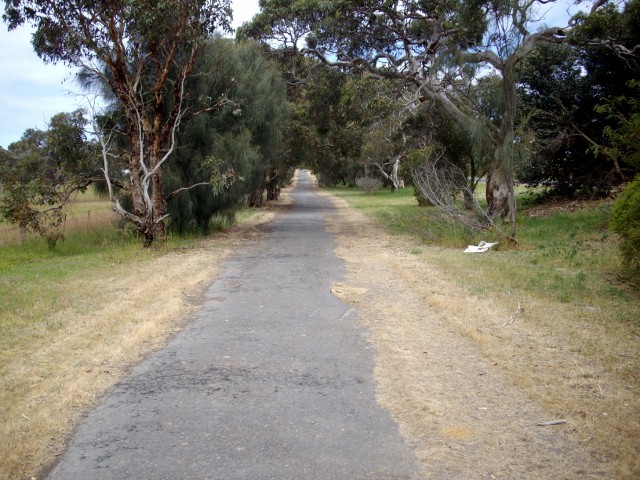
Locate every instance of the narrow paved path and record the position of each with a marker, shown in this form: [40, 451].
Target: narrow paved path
[273, 380]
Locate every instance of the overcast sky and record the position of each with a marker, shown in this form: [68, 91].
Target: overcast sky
[31, 92]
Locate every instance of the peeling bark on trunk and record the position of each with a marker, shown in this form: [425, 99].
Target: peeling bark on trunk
[497, 193]
[151, 133]
[135, 177]
[500, 193]
[394, 173]
[159, 209]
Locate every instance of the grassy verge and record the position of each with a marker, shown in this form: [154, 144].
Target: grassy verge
[34, 278]
[67, 331]
[550, 312]
[568, 256]
[73, 319]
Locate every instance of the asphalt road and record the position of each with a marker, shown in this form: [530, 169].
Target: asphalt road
[272, 380]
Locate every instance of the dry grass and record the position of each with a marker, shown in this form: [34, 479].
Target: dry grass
[104, 323]
[86, 211]
[468, 379]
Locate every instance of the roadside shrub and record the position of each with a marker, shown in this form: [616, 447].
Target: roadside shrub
[369, 184]
[625, 221]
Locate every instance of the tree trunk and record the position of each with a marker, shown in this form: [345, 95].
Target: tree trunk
[273, 190]
[500, 194]
[394, 173]
[254, 198]
[498, 191]
[135, 177]
[149, 202]
[467, 195]
[469, 201]
[158, 228]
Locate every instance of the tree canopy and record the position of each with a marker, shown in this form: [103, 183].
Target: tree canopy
[436, 50]
[234, 150]
[571, 91]
[144, 53]
[40, 172]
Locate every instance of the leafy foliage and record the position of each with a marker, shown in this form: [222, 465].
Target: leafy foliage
[623, 133]
[625, 220]
[564, 89]
[143, 51]
[41, 171]
[78, 31]
[435, 51]
[228, 150]
[331, 119]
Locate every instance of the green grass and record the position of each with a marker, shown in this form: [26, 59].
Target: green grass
[34, 278]
[400, 213]
[568, 257]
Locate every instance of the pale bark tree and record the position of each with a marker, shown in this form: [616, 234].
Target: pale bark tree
[143, 51]
[386, 144]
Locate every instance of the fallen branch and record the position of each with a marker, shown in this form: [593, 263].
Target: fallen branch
[513, 317]
[552, 422]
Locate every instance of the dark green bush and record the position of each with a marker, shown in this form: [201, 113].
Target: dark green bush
[625, 221]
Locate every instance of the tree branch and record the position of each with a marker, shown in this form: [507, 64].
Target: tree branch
[183, 189]
[67, 194]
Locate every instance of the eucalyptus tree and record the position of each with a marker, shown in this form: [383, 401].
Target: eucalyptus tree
[436, 48]
[567, 90]
[144, 51]
[385, 146]
[40, 172]
[230, 151]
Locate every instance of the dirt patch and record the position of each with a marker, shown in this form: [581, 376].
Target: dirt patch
[474, 383]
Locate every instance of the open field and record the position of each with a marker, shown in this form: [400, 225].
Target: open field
[86, 211]
[550, 314]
